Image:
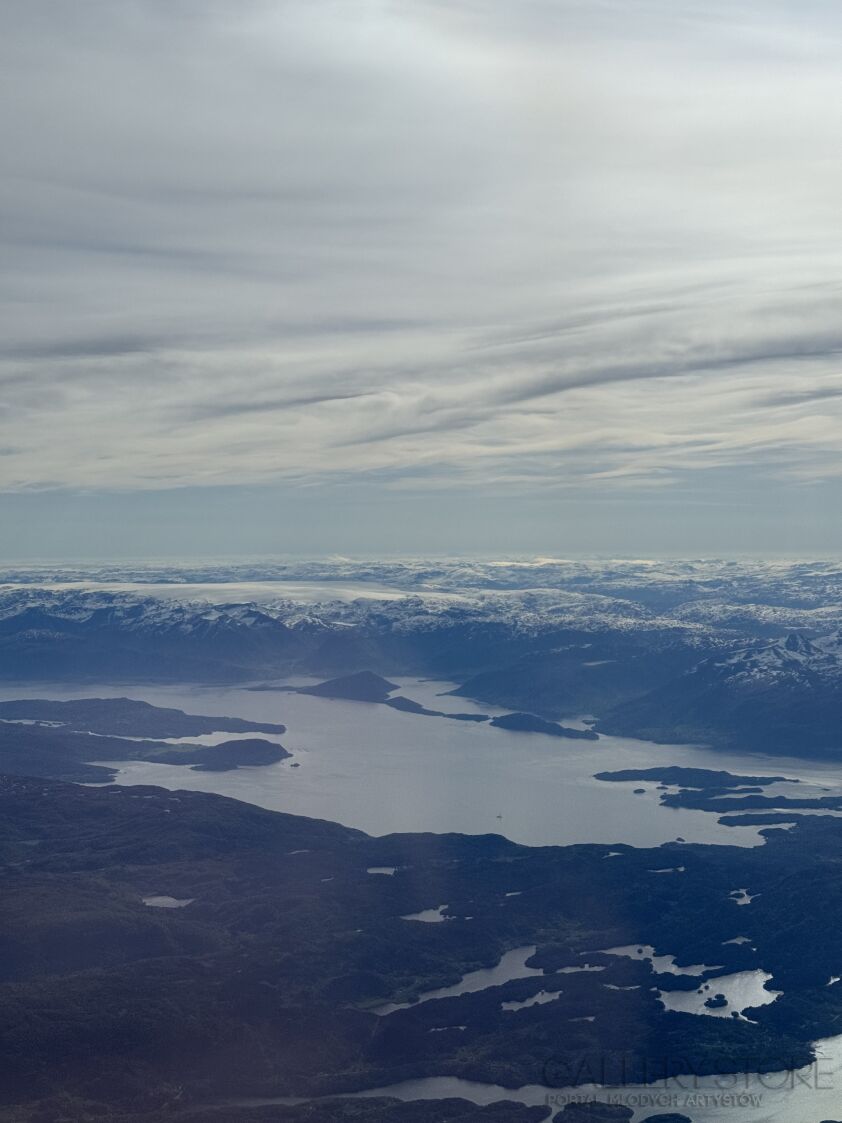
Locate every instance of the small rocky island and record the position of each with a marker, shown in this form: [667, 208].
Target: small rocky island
[717, 1002]
[364, 686]
[247, 752]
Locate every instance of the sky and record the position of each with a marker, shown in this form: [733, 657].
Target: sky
[388, 276]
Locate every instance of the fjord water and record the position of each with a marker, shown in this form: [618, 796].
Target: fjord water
[382, 771]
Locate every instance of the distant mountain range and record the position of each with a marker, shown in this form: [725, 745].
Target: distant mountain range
[743, 655]
[773, 588]
[83, 634]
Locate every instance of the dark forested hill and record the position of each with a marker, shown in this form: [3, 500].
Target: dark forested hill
[265, 974]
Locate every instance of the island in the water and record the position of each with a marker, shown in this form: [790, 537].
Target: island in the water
[363, 686]
[530, 723]
[248, 752]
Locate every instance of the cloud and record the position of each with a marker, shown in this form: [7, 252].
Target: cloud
[569, 244]
[807, 396]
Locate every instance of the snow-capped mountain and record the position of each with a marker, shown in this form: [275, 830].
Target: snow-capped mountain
[742, 654]
[782, 697]
[88, 632]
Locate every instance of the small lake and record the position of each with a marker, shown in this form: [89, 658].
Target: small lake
[382, 771]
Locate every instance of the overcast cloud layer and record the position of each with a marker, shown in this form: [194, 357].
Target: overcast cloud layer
[408, 246]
